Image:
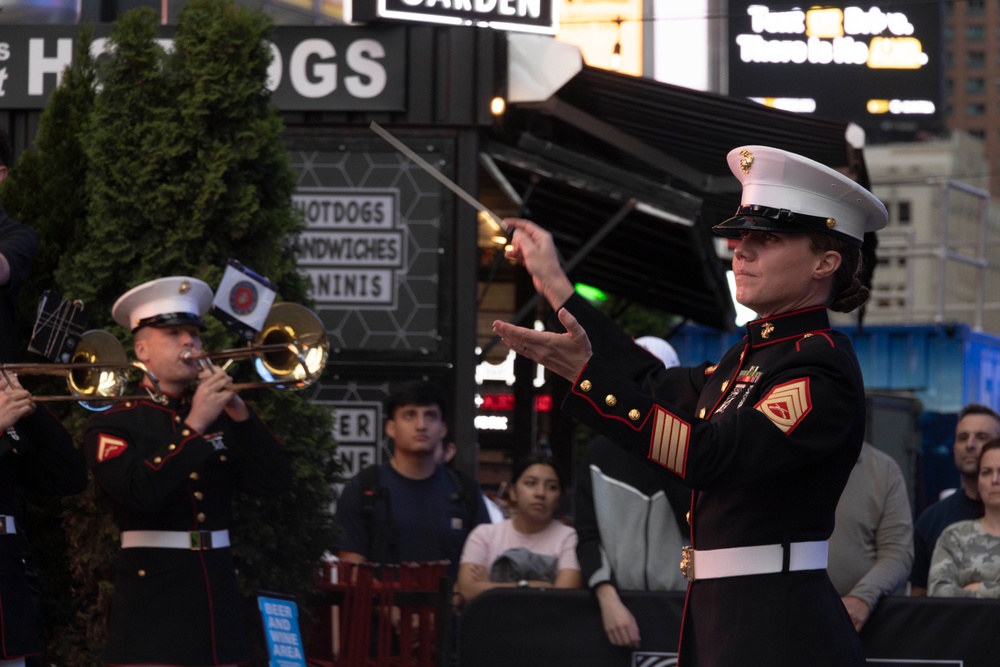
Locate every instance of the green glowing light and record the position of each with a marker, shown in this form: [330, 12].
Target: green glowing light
[590, 293]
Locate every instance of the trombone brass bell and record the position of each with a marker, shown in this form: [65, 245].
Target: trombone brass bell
[305, 346]
[99, 350]
[289, 352]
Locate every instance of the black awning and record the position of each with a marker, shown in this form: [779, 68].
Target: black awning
[635, 134]
[696, 128]
[619, 232]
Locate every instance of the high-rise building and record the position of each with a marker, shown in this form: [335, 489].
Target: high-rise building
[971, 42]
[937, 259]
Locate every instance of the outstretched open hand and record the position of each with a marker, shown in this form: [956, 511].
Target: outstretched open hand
[564, 354]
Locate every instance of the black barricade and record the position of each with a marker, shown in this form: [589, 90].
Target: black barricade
[535, 627]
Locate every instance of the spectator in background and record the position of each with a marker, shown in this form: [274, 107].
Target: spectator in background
[871, 549]
[531, 549]
[966, 561]
[627, 517]
[977, 424]
[410, 508]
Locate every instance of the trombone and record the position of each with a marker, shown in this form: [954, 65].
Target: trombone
[289, 352]
[98, 373]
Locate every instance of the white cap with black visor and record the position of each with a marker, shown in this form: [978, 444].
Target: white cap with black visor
[786, 193]
[163, 302]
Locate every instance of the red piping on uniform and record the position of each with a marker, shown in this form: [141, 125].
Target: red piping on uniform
[815, 333]
[635, 426]
[684, 613]
[180, 444]
[788, 314]
[211, 609]
[208, 591]
[687, 593]
[268, 428]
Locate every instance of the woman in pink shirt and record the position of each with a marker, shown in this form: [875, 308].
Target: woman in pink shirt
[529, 550]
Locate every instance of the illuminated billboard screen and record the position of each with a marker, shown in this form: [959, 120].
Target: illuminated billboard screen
[39, 11]
[875, 65]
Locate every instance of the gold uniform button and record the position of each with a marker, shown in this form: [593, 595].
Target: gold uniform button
[186, 432]
[128, 404]
[687, 516]
[198, 495]
[586, 385]
[141, 573]
[201, 517]
[171, 446]
[177, 418]
[633, 415]
[157, 460]
[222, 457]
[725, 384]
[611, 400]
[701, 413]
[195, 476]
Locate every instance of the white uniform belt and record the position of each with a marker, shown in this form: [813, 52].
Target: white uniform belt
[7, 526]
[743, 561]
[195, 540]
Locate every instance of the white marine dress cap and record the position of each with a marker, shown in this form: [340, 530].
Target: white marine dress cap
[164, 302]
[787, 193]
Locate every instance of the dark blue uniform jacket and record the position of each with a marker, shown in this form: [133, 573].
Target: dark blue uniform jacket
[766, 439]
[178, 606]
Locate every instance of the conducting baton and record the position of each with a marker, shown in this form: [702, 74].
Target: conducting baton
[444, 180]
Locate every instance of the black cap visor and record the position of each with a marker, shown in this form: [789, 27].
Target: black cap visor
[171, 319]
[757, 218]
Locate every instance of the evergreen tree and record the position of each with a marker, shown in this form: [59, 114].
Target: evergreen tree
[183, 168]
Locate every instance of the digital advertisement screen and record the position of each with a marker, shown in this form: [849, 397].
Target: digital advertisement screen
[875, 65]
[39, 11]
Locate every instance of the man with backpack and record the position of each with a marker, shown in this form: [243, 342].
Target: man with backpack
[410, 508]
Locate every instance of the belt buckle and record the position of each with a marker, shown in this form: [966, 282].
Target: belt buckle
[687, 563]
[201, 540]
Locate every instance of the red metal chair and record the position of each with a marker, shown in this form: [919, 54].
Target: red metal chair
[408, 607]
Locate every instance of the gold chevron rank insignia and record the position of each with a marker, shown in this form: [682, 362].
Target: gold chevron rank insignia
[787, 404]
[668, 444]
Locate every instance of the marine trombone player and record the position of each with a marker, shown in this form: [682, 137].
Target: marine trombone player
[170, 471]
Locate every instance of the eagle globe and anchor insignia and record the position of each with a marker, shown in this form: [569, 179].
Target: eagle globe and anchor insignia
[243, 298]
